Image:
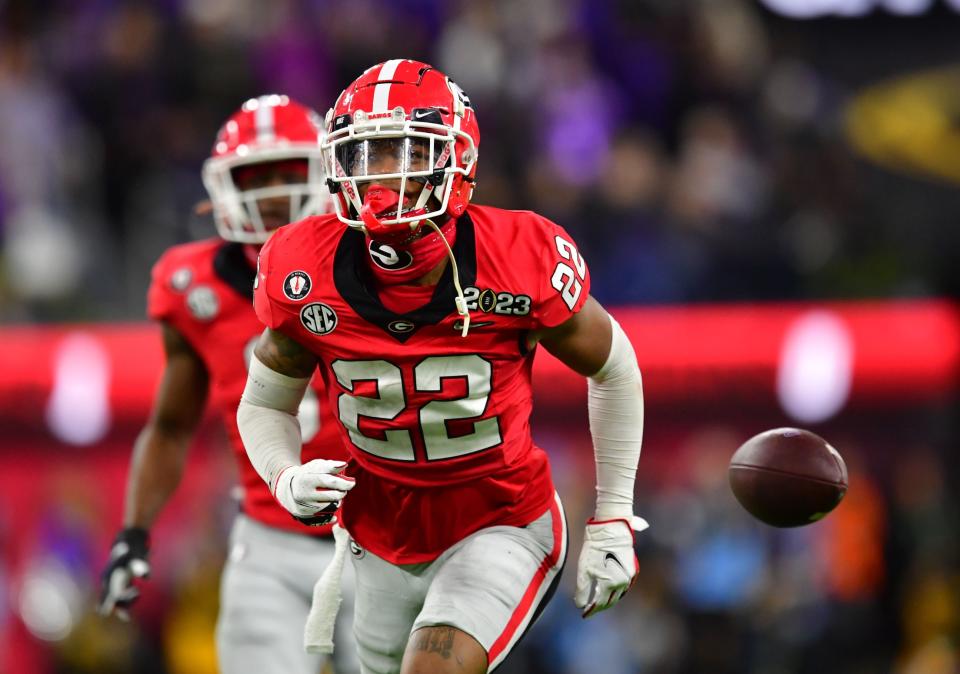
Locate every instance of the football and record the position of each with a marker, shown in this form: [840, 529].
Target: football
[787, 477]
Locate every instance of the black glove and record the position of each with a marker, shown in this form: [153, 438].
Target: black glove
[128, 560]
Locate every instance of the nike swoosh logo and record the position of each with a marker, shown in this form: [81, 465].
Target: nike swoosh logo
[421, 115]
[458, 324]
[612, 556]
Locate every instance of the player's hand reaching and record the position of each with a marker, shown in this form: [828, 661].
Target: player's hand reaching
[312, 492]
[608, 564]
[128, 561]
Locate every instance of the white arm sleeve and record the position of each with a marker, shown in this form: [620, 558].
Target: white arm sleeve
[615, 410]
[267, 420]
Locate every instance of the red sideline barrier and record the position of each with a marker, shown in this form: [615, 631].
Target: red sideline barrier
[902, 351]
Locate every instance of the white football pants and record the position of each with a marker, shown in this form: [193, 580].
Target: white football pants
[265, 595]
[491, 585]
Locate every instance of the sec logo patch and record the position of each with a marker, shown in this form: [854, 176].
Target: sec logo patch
[203, 303]
[297, 285]
[318, 318]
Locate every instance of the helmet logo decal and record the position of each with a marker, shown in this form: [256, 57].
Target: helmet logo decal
[318, 318]
[389, 258]
[340, 122]
[297, 285]
[427, 115]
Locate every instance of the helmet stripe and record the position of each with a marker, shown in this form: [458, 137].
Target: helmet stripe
[381, 94]
[264, 121]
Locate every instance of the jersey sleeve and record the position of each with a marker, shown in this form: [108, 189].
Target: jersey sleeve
[268, 302]
[563, 280]
[163, 302]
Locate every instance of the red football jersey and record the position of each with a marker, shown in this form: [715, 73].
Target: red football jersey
[204, 290]
[437, 424]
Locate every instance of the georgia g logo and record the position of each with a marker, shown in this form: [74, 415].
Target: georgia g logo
[318, 318]
[356, 550]
[388, 257]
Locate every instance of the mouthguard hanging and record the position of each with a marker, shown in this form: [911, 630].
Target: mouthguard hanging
[380, 201]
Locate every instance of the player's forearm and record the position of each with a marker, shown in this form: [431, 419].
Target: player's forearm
[156, 469]
[615, 410]
[266, 418]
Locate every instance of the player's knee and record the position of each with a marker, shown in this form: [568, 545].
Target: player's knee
[443, 650]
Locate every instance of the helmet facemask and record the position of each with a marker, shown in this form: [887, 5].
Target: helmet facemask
[420, 150]
[237, 212]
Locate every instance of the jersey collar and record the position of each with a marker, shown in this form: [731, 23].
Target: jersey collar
[231, 266]
[355, 283]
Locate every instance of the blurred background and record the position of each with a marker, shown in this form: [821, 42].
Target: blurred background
[768, 196]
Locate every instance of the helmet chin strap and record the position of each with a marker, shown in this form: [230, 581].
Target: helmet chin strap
[380, 199]
[460, 301]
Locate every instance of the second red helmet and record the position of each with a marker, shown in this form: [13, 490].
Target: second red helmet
[267, 129]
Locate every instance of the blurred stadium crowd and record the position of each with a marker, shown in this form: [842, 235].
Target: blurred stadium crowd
[697, 150]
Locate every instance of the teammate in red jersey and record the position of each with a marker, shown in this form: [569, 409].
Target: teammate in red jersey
[423, 316]
[265, 170]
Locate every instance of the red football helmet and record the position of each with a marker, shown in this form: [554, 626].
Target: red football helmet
[264, 130]
[401, 120]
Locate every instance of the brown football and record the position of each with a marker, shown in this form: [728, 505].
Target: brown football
[788, 477]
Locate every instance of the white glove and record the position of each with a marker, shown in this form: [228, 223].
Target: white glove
[608, 564]
[313, 491]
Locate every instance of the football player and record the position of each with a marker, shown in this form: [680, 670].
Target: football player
[265, 171]
[424, 314]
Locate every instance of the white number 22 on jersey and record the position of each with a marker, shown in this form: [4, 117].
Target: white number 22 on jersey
[564, 280]
[389, 401]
